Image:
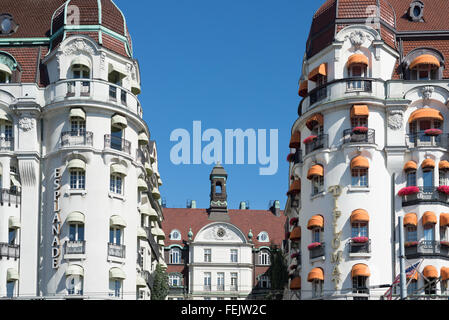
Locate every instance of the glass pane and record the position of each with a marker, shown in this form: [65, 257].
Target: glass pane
[429, 234]
[80, 232]
[72, 232]
[428, 180]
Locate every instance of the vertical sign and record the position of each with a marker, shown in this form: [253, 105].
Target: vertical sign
[56, 221]
[336, 241]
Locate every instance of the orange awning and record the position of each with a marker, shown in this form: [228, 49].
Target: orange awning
[411, 165]
[359, 110]
[303, 88]
[425, 113]
[414, 277]
[295, 140]
[444, 273]
[428, 163]
[316, 222]
[360, 270]
[295, 235]
[295, 283]
[425, 59]
[443, 165]
[316, 119]
[320, 70]
[316, 274]
[359, 162]
[295, 187]
[316, 170]
[444, 219]
[430, 272]
[359, 215]
[429, 217]
[358, 58]
[411, 219]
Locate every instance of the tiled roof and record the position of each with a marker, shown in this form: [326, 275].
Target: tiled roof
[256, 220]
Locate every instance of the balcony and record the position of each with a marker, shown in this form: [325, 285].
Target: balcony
[351, 136]
[9, 251]
[427, 248]
[426, 195]
[75, 247]
[6, 144]
[116, 250]
[117, 143]
[422, 140]
[154, 246]
[321, 142]
[10, 197]
[317, 252]
[77, 139]
[298, 157]
[359, 85]
[359, 248]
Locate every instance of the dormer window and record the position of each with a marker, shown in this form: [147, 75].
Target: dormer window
[7, 24]
[5, 77]
[425, 67]
[416, 11]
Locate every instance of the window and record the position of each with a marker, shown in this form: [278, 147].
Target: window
[80, 71]
[411, 178]
[234, 255]
[264, 282]
[317, 185]
[115, 235]
[75, 286]
[412, 287]
[115, 288]
[428, 181]
[317, 288]
[77, 179]
[444, 287]
[207, 281]
[220, 281]
[357, 70]
[8, 132]
[443, 177]
[430, 286]
[264, 258]
[411, 234]
[175, 235]
[234, 279]
[429, 232]
[116, 183]
[175, 280]
[5, 77]
[359, 229]
[360, 177]
[316, 234]
[12, 235]
[175, 256]
[10, 289]
[263, 237]
[359, 285]
[76, 232]
[444, 233]
[359, 122]
[207, 255]
[77, 127]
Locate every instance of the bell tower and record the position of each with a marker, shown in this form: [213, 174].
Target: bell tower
[218, 210]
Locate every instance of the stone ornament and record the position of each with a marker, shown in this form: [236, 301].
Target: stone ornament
[427, 92]
[357, 38]
[78, 46]
[395, 119]
[26, 124]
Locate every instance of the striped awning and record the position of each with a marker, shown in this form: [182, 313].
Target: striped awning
[303, 88]
[411, 219]
[12, 274]
[315, 274]
[295, 283]
[316, 119]
[316, 170]
[142, 185]
[444, 219]
[141, 233]
[76, 164]
[295, 235]
[320, 70]
[116, 273]
[428, 163]
[295, 140]
[359, 110]
[316, 221]
[410, 165]
[429, 217]
[118, 169]
[14, 223]
[147, 210]
[359, 215]
[359, 162]
[77, 113]
[426, 113]
[74, 270]
[430, 272]
[360, 270]
[295, 187]
[117, 221]
[119, 122]
[76, 217]
[143, 138]
[140, 282]
[358, 58]
[426, 59]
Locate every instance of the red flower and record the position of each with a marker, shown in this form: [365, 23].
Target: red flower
[309, 139]
[444, 243]
[290, 157]
[411, 244]
[443, 189]
[294, 255]
[408, 190]
[293, 221]
[360, 239]
[314, 245]
[433, 132]
[360, 130]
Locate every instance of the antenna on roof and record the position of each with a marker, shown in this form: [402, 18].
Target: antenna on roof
[164, 203]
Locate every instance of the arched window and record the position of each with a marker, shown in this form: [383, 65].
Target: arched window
[175, 256]
[357, 68]
[77, 170]
[118, 173]
[175, 235]
[359, 171]
[263, 237]
[175, 280]
[264, 258]
[218, 188]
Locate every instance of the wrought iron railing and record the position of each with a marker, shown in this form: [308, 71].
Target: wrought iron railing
[359, 84]
[6, 144]
[359, 247]
[116, 250]
[317, 251]
[10, 251]
[426, 195]
[318, 94]
[77, 138]
[350, 136]
[320, 142]
[298, 156]
[75, 247]
[422, 140]
[10, 197]
[117, 143]
[427, 248]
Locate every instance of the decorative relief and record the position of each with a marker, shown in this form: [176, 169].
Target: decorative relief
[219, 203]
[427, 92]
[357, 38]
[26, 124]
[395, 119]
[102, 60]
[78, 46]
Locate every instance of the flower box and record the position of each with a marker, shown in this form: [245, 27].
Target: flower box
[293, 221]
[314, 245]
[443, 189]
[411, 244]
[360, 130]
[444, 243]
[433, 132]
[360, 239]
[408, 190]
[309, 139]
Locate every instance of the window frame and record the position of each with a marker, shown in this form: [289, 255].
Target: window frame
[359, 177]
[77, 179]
[175, 256]
[116, 183]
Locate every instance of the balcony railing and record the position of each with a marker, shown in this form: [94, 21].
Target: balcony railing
[349, 136]
[77, 138]
[422, 140]
[357, 247]
[359, 84]
[117, 143]
[75, 247]
[427, 248]
[317, 252]
[207, 287]
[318, 94]
[116, 250]
[321, 142]
[10, 251]
[6, 144]
[426, 195]
[10, 197]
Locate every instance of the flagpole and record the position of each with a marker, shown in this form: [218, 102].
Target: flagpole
[403, 280]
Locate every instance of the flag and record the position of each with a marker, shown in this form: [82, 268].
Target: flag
[409, 272]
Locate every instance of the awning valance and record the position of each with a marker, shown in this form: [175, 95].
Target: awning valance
[359, 110]
[4, 116]
[444, 219]
[425, 113]
[141, 233]
[360, 270]
[358, 58]
[116, 273]
[149, 168]
[12, 274]
[74, 270]
[320, 70]
[303, 88]
[295, 283]
[426, 59]
[295, 235]
[430, 272]
[359, 162]
[14, 223]
[443, 165]
[315, 274]
[155, 193]
[295, 140]
[410, 165]
[142, 185]
[444, 273]
[359, 215]
[81, 60]
[77, 113]
[316, 170]
[15, 182]
[316, 119]
[428, 163]
[316, 221]
[117, 221]
[411, 219]
[118, 169]
[295, 187]
[76, 217]
[147, 210]
[429, 217]
[119, 122]
[76, 164]
[158, 232]
[143, 138]
[140, 282]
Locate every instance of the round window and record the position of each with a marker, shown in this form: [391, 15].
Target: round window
[6, 25]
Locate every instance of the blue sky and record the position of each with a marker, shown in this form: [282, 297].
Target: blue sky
[229, 64]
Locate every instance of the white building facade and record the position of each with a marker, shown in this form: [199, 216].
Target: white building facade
[80, 211]
[371, 123]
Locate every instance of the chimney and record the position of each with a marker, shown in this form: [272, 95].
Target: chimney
[242, 205]
[191, 204]
[276, 208]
